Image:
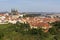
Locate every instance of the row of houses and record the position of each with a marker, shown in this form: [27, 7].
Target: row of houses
[34, 22]
[39, 22]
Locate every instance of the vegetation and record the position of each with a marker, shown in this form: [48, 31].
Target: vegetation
[22, 31]
[31, 15]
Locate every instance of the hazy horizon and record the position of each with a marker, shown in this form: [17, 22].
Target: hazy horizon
[30, 5]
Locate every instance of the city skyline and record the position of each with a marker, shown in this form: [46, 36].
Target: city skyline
[30, 5]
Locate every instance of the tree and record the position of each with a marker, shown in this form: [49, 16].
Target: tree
[53, 30]
[1, 34]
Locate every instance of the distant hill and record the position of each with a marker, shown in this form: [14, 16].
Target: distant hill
[40, 13]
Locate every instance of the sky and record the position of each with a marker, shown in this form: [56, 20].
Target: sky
[30, 5]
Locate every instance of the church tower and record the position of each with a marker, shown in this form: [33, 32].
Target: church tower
[14, 12]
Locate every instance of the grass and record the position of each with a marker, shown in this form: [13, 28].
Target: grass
[19, 36]
[2, 26]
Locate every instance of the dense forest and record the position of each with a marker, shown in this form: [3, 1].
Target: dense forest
[22, 31]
